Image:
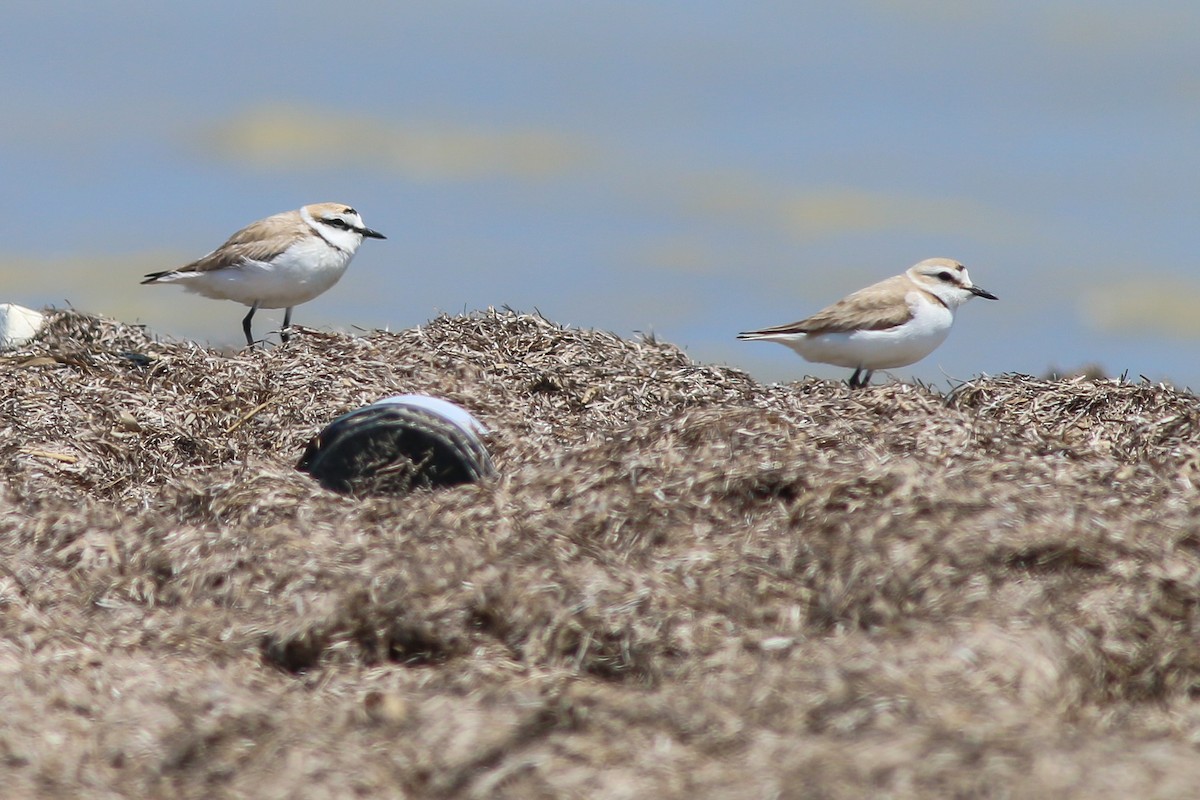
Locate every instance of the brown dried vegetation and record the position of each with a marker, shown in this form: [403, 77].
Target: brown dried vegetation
[683, 583]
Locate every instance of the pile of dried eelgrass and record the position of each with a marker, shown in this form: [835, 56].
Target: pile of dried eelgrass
[683, 583]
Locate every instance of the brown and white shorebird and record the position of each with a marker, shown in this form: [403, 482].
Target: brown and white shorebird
[277, 262]
[890, 324]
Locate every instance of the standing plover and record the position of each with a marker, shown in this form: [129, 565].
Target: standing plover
[277, 262]
[890, 324]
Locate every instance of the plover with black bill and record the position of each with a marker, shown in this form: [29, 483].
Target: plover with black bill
[893, 323]
[277, 262]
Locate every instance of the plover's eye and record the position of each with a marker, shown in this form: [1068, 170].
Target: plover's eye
[338, 223]
[946, 276]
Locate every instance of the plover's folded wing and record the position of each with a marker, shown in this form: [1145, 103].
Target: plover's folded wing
[879, 307]
[259, 241]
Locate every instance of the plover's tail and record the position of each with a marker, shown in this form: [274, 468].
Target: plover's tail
[792, 330]
[154, 276]
[782, 332]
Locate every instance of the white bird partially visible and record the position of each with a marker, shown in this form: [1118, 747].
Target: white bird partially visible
[893, 323]
[277, 262]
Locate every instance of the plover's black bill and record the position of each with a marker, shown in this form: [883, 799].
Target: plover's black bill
[397, 445]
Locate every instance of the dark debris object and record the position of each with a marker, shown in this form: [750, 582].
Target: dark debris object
[397, 445]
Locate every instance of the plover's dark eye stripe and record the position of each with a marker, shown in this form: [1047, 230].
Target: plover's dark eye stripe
[338, 223]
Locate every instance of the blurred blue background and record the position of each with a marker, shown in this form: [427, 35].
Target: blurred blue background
[690, 169]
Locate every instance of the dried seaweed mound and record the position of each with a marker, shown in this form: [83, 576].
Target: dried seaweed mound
[682, 583]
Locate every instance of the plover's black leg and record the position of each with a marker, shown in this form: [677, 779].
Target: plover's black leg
[860, 378]
[246, 325]
[287, 323]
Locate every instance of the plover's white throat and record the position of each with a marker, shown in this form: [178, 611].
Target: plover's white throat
[277, 262]
[891, 324]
